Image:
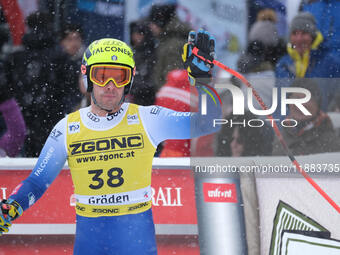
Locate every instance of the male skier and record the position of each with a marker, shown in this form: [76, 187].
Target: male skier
[110, 146]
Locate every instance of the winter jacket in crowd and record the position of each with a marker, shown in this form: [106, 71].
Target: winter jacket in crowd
[144, 54]
[40, 75]
[326, 13]
[264, 49]
[169, 50]
[12, 124]
[177, 95]
[13, 136]
[259, 71]
[322, 65]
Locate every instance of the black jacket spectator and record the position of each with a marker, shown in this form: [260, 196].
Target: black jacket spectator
[71, 43]
[39, 75]
[143, 45]
[171, 34]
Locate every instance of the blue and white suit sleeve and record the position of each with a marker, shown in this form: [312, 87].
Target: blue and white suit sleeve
[50, 162]
[162, 123]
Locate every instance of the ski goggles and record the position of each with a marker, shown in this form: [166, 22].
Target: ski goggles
[102, 74]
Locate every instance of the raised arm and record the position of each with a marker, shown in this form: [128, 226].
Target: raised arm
[162, 123]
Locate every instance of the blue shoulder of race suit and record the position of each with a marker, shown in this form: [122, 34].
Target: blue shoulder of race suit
[160, 123]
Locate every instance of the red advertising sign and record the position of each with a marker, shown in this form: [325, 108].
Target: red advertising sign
[173, 197]
[220, 192]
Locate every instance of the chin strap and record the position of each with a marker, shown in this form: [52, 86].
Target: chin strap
[102, 108]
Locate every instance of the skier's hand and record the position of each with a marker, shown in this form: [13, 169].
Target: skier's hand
[205, 43]
[9, 211]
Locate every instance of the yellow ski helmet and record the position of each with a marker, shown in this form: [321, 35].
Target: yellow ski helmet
[107, 51]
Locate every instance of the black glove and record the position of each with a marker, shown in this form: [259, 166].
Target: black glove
[205, 43]
[9, 211]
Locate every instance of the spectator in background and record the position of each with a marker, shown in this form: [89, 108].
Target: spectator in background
[314, 133]
[175, 95]
[12, 134]
[306, 60]
[263, 51]
[12, 124]
[326, 14]
[71, 42]
[171, 34]
[143, 45]
[241, 140]
[39, 76]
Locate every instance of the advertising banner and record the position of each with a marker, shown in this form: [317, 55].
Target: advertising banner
[173, 198]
